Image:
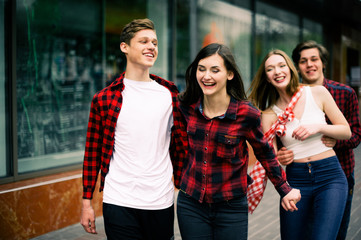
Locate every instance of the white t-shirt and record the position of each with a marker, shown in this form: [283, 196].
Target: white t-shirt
[140, 170]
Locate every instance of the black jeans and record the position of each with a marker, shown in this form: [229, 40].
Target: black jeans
[130, 223]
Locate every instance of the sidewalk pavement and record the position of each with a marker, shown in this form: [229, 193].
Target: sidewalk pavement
[263, 224]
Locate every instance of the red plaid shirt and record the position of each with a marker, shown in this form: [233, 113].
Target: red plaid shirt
[216, 167]
[346, 100]
[104, 112]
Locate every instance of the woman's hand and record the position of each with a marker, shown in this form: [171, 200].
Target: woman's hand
[303, 132]
[289, 201]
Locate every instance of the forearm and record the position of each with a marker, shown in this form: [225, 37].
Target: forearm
[339, 132]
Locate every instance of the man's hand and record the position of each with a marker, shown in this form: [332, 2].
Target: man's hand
[289, 201]
[87, 219]
[328, 141]
[285, 157]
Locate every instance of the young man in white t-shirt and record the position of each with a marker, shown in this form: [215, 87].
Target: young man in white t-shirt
[133, 134]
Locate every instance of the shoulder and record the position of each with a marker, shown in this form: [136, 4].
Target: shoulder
[337, 86]
[318, 89]
[268, 118]
[103, 94]
[168, 84]
[269, 115]
[246, 108]
[321, 95]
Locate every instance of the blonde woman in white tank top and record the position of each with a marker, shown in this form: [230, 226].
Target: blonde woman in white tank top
[316, 170]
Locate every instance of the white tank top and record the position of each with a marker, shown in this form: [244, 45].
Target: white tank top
[312, 114]
[140, 170]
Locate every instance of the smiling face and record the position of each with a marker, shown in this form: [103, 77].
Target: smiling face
[277, 71]
[212, 76]
[310, 66]
[142, 49]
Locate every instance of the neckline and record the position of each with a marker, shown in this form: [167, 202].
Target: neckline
[304, 107]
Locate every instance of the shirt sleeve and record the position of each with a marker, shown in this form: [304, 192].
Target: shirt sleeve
[92, 158]
[265, 154]
[351, 113]
[179, 144]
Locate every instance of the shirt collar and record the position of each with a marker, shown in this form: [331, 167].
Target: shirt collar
[231, 112]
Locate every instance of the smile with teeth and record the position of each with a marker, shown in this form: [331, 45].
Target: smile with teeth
[149, 54]
[278, 79]
[207, 84]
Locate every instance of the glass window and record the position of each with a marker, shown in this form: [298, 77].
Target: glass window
[59, 68]
[183, 41]
[117, 15]
[228, 24]
[3, 133]
[157, 11]
[312, 31]
[275, 28]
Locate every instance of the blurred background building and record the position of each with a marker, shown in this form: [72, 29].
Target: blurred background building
[55, 54]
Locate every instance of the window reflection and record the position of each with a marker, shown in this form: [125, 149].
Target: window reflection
[59, 68]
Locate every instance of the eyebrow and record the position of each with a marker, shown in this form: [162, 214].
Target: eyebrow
[282, 62]
[216, 66]
[309, 57]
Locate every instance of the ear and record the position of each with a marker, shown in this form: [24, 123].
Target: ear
[124, 47]
[230, 75]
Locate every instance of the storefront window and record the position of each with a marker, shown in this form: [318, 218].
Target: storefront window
[59, 68]
[228, 24]
[312, 31]
[275, 29]
[3, 145]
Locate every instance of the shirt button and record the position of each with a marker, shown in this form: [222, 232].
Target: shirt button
[205, 162]
[207, 134]
[205, 148]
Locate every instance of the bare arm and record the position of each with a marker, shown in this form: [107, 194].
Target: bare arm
[269, 117]
[339, 128]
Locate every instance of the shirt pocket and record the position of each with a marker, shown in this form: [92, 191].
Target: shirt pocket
[227, 148]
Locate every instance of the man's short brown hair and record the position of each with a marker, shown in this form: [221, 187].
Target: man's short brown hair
[133, 27]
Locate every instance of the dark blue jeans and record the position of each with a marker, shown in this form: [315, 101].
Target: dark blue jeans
[342, 232]
[224, 220]
[323, 187]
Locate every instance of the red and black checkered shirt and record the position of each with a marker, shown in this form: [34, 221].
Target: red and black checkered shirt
[346, 100]
[216, 166]
[104, 112]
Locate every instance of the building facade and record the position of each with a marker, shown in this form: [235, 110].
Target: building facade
[56, 54]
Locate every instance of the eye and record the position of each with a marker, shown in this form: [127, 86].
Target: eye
[268, 69]
[302, 61]
[201, 69]
[283, 65]
[215, 70]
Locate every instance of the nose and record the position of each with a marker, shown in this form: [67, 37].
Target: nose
[151, 46]
[207, 75]
[277, 70]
